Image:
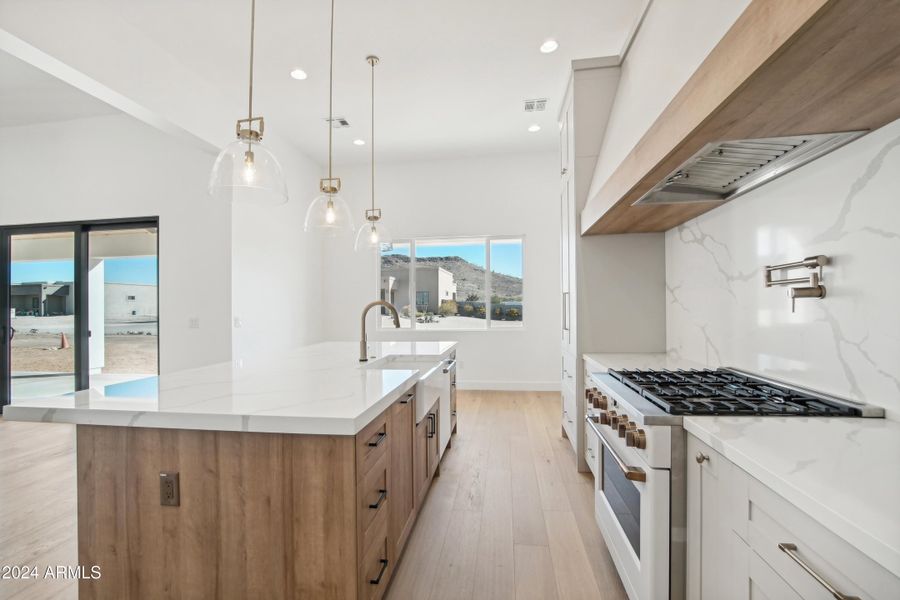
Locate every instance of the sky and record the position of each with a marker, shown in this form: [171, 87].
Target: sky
[137, 269]
[506, 256]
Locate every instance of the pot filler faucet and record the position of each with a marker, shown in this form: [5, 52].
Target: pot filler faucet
[363, 354]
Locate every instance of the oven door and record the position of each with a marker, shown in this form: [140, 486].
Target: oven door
[632, 510]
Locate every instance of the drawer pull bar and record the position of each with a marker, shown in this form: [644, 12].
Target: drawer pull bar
[381, 438]
[381, 497]
[791, 550]
[377, 580]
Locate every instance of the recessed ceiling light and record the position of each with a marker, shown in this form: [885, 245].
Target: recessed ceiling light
[301, 74]
[534, 128]
[359, 142]
[549, 46]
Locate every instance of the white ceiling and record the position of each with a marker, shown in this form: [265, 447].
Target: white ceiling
[452, 79]
[29, 96]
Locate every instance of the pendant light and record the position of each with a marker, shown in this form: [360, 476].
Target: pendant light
[328, 215]
[245, 170]
[372, 234]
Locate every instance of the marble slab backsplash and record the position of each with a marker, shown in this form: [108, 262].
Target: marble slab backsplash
[845, 205]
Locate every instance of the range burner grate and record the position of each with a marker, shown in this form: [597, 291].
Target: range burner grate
[725, 392]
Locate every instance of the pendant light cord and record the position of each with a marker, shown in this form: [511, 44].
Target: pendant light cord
[372, 62]
[250, 92]
[252, 40]
[330, 92]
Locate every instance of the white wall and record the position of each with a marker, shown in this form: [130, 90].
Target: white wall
[844, 205]
[675, 37]
[114, 167]
[277, 271]
[491, 195]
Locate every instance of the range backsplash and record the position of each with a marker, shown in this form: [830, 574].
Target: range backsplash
[846, 206]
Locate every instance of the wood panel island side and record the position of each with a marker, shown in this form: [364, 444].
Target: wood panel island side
[223, 485]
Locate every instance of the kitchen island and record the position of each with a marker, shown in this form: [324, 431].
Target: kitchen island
[296, 477]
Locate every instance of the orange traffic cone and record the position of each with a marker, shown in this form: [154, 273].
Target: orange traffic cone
[63, 341]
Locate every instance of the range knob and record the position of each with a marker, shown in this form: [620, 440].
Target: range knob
[625, 426]
[602, 401]
[611, 419]
[636, 438]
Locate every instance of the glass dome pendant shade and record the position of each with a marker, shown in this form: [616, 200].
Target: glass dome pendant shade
[245, 170]
[373, 234]
[328, 214]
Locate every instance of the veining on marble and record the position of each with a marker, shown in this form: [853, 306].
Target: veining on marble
[845, 205]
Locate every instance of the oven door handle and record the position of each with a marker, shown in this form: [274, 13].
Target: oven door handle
[631, 473]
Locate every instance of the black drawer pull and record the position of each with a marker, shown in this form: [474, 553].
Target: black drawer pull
[433, 420]
[408, 398]
[377, 580]
[381, 437]
[381, 498]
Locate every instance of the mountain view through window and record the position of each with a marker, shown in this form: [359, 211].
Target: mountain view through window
[446, 283]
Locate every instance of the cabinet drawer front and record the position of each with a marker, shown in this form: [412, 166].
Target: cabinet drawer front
[570, 408]
[374, 496]
[773, 521]
[765, 584]
[371, 444]
[375, 568]
[569, 370]
[591, 449]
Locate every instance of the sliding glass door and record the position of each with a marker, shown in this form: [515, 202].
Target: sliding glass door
[42, 300]
[78, 306]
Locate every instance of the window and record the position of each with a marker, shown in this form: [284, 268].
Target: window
[422, 300]
[454, 283]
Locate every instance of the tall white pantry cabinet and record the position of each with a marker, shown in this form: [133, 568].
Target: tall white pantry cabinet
[612, 287]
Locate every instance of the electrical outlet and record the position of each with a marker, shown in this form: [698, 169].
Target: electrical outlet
[169, 492]
[194, 323]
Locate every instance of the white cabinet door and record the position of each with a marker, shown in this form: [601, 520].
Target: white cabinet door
[564, 151]
[573, 274]
[709, 523]
[565, 281]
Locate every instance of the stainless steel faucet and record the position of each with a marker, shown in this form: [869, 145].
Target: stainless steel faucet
[363, 346]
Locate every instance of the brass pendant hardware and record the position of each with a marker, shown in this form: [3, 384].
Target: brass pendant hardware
[248, 133]
[330, 185]
[373, 215]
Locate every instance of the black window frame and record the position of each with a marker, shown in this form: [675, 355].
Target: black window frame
[81, 231]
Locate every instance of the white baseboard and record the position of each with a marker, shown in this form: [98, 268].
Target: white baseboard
[511, 386]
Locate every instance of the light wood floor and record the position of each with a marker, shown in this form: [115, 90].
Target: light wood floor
[509, 516]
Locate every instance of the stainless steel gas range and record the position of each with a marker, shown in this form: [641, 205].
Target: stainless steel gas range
[640, 487]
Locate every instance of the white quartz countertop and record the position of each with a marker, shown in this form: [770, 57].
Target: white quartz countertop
[842, 472]
[603, 361]
[318, 389]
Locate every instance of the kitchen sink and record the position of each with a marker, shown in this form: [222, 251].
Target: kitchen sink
[429, 387]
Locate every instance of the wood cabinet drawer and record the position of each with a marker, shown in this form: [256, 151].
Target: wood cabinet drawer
[372, 443]
[773, 521]
[373, 499]
[375, 569]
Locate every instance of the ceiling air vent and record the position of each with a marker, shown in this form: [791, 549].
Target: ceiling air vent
[339, 122]
[536, 105]
[724, 170]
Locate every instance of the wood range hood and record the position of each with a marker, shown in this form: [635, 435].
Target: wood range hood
[785, 68]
